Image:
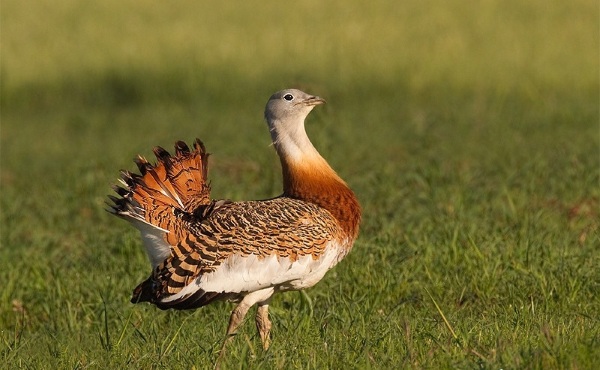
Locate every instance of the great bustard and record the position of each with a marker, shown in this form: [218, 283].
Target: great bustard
[202, 250]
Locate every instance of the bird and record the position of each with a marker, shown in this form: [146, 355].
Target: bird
[202, 250]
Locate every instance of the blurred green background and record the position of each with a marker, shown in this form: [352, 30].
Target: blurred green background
[126, 52]
[469, 131]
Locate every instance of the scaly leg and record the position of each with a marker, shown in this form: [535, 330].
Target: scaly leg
[263, 324]
[236, 318]
[238, 314]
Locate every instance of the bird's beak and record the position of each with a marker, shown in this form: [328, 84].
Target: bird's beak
[314, 100]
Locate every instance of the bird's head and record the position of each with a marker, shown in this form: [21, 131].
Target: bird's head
[291, 106]
[285, 113]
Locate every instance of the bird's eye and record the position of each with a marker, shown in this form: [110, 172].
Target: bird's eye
[288, 97]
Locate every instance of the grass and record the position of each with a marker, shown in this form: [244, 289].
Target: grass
[469, 132]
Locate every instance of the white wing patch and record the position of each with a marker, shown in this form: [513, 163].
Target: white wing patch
[154, 241]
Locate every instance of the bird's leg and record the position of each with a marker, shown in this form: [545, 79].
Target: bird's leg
[263, 324]
[238, 314]
[236, 318]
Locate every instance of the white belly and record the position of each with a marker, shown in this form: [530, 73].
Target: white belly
[245, 274]
[250, 273]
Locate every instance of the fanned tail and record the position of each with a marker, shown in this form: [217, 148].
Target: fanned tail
[175, 184]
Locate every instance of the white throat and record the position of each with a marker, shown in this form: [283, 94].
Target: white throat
[291, 141]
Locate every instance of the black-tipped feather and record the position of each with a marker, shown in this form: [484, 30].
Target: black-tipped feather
[162, 155]
[181, 148]
[142, 165]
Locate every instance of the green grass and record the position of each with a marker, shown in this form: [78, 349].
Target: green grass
[469, 131]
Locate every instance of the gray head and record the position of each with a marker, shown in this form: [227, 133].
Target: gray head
[290, 104]
[285, 113]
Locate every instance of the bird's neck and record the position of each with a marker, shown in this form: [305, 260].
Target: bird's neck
[307, 176]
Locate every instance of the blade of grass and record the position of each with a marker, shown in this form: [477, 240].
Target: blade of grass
[442, 315]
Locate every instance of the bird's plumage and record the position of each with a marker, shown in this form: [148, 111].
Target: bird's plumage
[203, 250]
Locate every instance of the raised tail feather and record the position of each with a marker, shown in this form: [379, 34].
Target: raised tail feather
[175, 182]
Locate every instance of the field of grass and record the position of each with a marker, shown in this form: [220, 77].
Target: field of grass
[469, 131]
